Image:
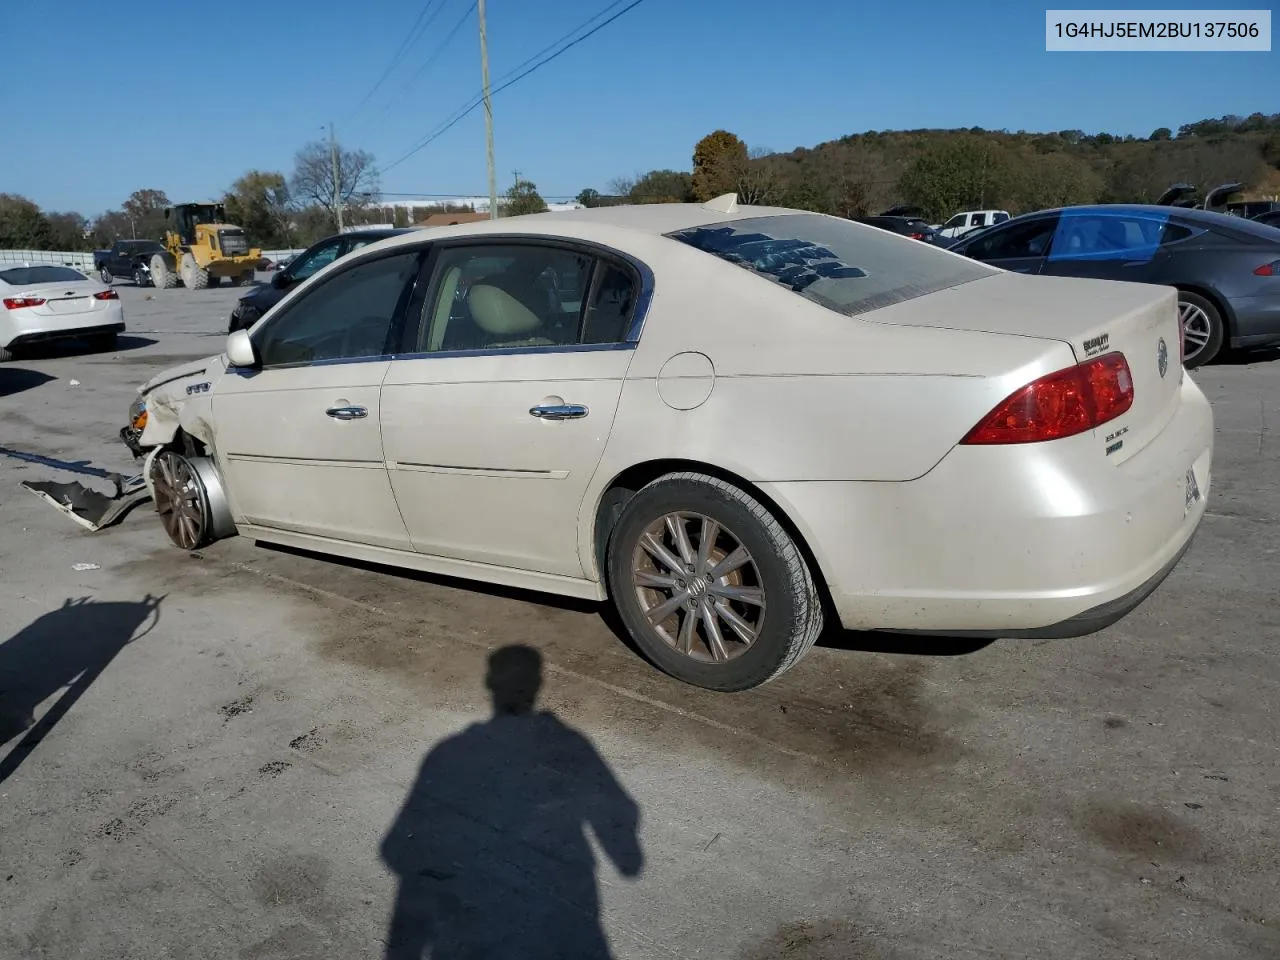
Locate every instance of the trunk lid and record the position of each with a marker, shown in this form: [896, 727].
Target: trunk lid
[61, 299]
[1094, 317]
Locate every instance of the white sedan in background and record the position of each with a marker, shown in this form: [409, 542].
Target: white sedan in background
[45, 302]
[735, 424]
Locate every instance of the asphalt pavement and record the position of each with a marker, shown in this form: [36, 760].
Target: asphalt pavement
[253, 753]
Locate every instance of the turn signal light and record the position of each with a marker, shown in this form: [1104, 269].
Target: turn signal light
[1060, 404]
[1271, 269]
[106, 295]
[17, 303]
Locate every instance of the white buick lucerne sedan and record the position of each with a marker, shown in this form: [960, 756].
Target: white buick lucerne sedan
[733, 423]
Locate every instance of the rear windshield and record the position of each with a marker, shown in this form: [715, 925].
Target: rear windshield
[847, 267]
[24, 276]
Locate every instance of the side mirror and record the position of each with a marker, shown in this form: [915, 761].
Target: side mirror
[279, 280]
[240, 352]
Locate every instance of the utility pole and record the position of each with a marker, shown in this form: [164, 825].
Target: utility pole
[337, 182]
[488, 111]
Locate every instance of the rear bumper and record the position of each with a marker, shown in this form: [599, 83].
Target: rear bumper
[32, 337]
[1257, 321]
[1028, 540]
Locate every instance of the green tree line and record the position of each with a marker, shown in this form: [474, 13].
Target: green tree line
[941, 172]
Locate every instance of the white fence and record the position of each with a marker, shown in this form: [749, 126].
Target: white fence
[83, 260]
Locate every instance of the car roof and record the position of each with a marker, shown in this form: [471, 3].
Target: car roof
[654, 219]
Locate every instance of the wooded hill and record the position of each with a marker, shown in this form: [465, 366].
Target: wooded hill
[945, 171]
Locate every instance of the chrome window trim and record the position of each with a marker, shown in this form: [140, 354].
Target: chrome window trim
[444, 355]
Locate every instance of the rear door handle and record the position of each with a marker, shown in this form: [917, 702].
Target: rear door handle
[347, 413]
[558, 411]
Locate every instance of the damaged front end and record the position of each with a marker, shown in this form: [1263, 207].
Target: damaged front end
[163, 404]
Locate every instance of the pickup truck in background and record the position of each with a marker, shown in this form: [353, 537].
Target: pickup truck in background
[127, 259]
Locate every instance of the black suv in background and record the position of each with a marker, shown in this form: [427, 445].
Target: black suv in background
[318, 255]
[904, 220]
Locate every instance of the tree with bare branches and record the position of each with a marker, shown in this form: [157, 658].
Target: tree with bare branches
[313, 180]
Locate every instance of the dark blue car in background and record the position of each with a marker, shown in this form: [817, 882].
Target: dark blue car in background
[1226, 269]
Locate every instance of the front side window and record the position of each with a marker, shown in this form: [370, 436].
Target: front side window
[1018, 241]
[313, 261]
[352, 315]
[509, 296]
[844, 266]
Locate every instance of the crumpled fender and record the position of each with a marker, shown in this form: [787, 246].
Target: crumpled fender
[182, 398]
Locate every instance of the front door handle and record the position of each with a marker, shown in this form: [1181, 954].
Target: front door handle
[558, 411]
[347, 413]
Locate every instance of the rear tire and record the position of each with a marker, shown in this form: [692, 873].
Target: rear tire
[1203, 331]
[161, 276]
[140, 278]
[736, 611]
[243, 280]
[193, 278]
[105, 275]
[214, 281]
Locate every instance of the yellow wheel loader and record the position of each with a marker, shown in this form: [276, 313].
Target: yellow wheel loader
[201, 248]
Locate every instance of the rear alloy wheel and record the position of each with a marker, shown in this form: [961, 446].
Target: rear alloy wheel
[105, 275]
[709, 585]
[182, 501]
[139, 277]
[1202, 330]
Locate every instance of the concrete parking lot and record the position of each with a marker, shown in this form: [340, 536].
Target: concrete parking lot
[257, 754]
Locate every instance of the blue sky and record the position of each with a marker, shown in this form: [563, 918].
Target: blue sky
[110, 114]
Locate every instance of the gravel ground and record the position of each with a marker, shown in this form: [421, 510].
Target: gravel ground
[258, 754]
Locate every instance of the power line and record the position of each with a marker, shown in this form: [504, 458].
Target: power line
[516, 79]
[410, 38]
[431, 58]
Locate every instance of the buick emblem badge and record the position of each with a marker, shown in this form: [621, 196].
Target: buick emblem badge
[1162, 357]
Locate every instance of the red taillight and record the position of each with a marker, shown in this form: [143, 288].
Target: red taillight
[17, 303]
[106, 295]
[1271, 269]
[917, 236]
[1060, 404]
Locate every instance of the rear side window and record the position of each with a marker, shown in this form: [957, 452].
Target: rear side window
[23, 276]
[1102, 235]
[844, 266]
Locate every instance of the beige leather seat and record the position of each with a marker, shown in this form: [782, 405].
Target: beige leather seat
[505, 321]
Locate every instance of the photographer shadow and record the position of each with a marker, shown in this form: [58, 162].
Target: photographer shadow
[64, 650]
[491, 846]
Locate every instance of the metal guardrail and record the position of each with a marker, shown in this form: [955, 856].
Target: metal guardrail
[83, 259]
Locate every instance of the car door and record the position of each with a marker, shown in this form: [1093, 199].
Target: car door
[495, 424]
[1112, 245]
[298, 437]
[1020, 245]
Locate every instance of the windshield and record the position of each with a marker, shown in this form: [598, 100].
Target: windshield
[22, 276]
[847, 267]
